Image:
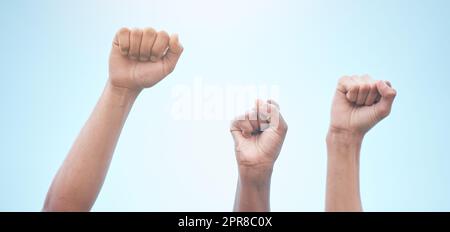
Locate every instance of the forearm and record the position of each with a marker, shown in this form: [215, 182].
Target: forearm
[342, 192]
[253, 191]
[79, 180]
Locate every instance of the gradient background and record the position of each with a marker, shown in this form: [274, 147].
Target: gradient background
[54, 67]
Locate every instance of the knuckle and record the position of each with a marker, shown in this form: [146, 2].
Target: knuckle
[366, 77]
[123, 30]
[163, 34]
[393, 93]
[150, 31]
[365, 87]
[143, 58]
[343, 79]
[384, 111]
[136, 31]
[134, 52]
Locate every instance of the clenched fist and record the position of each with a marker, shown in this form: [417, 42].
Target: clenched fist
[141, 58]
[258, 136]
[360, 103]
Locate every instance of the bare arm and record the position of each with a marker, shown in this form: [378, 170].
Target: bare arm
[343, 172]
[359, 104]
[137, 61]
[253, 190]
[81, 176]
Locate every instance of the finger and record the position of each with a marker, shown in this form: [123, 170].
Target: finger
[263, 116]
[352, 94]
[269, 116]
[148, 38]
[259, 120]
[364, 90]
[246, 128]
[373, 95]
[160, 46]
[122, 39]
[367, 78]
[383, 108]
[270, 101]
[135, 43]
[379, 96]
[252, 117]
[356, 86]
[236, 131]
[388, 83]
[385, 90]
[262, 109]
[242, 124]
[275, 110]
[276, 120]
[174, 52]
[344, 84]
[348, 86]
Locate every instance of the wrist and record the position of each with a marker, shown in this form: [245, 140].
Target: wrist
[122, 92]
[344, 143]
[344, 137]
[120, 96]
[255, 176]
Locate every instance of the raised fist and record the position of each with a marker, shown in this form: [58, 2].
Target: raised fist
[258, 135]
[360, 103]
[141, 58]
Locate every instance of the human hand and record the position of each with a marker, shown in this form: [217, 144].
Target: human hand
[258, 137]
[141, 58]
[359, 104]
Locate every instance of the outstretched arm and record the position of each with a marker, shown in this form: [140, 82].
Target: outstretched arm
[258, 137]
[139, 59]
[359, 104]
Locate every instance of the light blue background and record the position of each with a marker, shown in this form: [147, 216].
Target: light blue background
[54, 66]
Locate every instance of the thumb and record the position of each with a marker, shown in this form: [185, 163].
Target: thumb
[174, 52]
[237, 136]
[236, 131]
[121, 41]
[383, 108]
